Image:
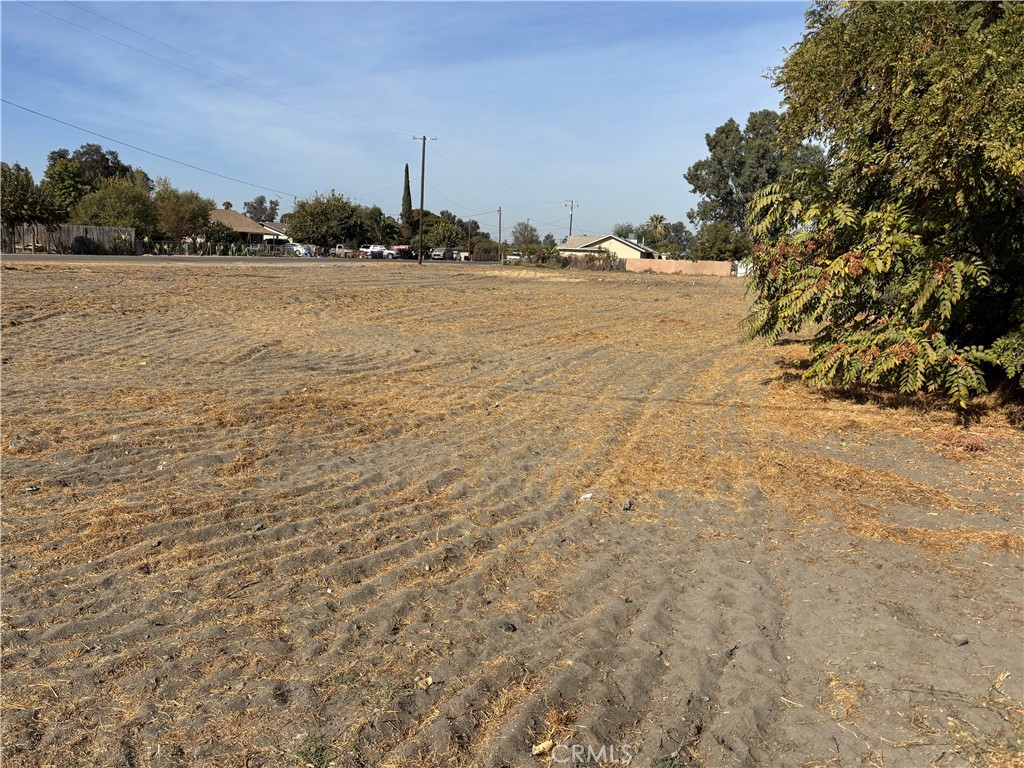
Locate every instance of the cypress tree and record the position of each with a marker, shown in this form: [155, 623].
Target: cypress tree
[407, 200]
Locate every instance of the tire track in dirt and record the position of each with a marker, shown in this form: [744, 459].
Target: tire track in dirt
[346, 503]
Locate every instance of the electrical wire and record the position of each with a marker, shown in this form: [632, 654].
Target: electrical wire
[509, 188]
[352, 120]
[149, 152]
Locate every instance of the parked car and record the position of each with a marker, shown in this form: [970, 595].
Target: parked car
[298, 250]
[371, 251]
[514, 258]
[439, 254]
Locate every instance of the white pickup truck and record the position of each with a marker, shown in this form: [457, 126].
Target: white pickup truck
[376, 252]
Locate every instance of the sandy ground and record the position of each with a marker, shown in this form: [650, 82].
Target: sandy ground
[388, 515]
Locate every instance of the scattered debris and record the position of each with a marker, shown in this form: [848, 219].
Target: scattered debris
[30, 489]
[543, 748]
[962, 440]
[508, 626]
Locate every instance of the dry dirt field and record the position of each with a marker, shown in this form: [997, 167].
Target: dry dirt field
[388, 515]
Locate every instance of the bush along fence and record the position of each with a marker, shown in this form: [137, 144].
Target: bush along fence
[186, 248]
[603, 262]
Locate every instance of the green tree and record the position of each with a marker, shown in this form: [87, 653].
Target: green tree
[261, 209]
[23, 202]
[326, 220]
[907, 251]
[99, 164]
[67, 181]
[524, 233]
[227, 205]
[624, 230]
[657, 225]
[119, 202]
[70, 176]
[181, 215]
[18, 201]
[407, 214]
[380, 227]
[739, 163]
[678, 242]
[445, 234]
[719, 242]
[216, 232]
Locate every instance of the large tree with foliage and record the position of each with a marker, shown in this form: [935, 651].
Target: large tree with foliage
[445, 234]
[97, 163]
[18, 201]
[119, 202]
[739, 163]
[719, 241]
[907, 252]
[407, 215]
[23, 202]
[525, 233]
[326, 220]
[261, 209]
[181, 215]
[68, 182]
[70, 176]
[380, 227]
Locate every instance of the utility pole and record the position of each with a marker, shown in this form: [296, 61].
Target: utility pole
[572, 204]
[423, 171]
[500, 258]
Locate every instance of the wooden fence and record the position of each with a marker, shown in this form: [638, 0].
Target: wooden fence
[71, 238]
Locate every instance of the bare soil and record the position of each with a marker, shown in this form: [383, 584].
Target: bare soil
[388, 515]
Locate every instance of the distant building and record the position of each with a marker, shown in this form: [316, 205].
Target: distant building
[584, 245]
[254, 231]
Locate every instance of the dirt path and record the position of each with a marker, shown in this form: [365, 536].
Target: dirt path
[408, 516]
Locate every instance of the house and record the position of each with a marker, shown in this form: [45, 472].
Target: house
[276, 230]
[254, 231]
[589, 245]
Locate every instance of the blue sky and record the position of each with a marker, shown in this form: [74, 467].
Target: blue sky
[534, 104]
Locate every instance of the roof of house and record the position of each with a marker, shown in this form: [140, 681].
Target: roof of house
[576, 241]
[589, 242]
[276, 227]
[237, 222]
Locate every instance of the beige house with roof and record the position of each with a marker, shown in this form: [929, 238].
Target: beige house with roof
[589, 245]
[254, 231]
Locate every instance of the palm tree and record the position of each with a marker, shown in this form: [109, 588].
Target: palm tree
[657, 225]
[382, 228]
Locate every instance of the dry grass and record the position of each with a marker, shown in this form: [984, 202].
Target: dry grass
[841, 701]
[324, 485]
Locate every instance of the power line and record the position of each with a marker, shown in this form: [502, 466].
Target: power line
[351, 119]
[149, 152]
[510, 188]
